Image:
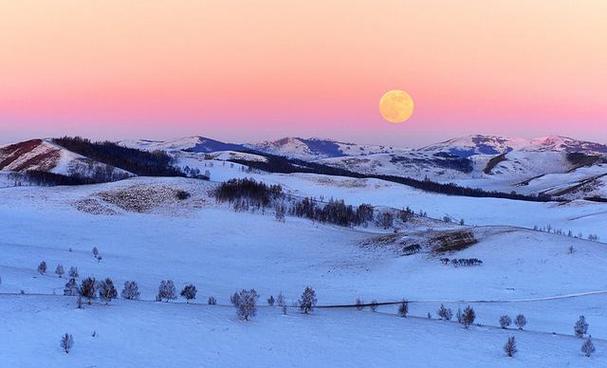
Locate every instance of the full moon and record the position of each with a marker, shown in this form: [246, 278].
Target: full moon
[396, 106]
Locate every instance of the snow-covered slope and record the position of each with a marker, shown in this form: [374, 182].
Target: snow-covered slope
[191, 144]
[220, 251]
[44, 155]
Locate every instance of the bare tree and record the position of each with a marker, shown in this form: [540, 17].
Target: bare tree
[130, 290]
[510, 347]
[445, 313]
[308, 300]
[505, 321]
[581, 327]
[42, 268]
[403, 309]
[107, 291]
[189, 292]
[166, 291]
[88, 288]
[588, 347]
[468, 317]
[246, 305]
[67, 342]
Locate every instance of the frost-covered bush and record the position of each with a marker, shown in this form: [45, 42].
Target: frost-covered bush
[189, 292]
[166, 291]
[505, 321]
[307, 301]
[42, 268]
[445, 313]
[520, 321]
[246, 304]
[59, 270]
[130, 290]
[581, 327]
[468, 317]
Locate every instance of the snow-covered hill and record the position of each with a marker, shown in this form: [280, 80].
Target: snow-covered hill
[44, 155]
[190, 144]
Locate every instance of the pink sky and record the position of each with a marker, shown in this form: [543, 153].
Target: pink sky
[249, 70]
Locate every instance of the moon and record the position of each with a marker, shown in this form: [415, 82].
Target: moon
[396, 106]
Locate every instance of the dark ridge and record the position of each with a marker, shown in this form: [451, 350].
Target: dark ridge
[157, 163]
[493, 163]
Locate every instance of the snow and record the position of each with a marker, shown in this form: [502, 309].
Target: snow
[199, 241]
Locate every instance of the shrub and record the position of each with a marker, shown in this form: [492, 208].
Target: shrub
[107, 291]
[581, 327]
[520, 321]
[403, 309]
[444, 313]
[88, 288]
[189, 292]
[59, 270]
[130, 290]
[166, 290]
[212, 300]
[42, 268]
[588, 347]
[246, 304]
[505, 321]
[468, 317]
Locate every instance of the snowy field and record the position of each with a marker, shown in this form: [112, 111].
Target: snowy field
[220, 251]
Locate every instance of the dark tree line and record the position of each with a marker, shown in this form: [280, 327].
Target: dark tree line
[334, 212]
[462, 261]
[257, 193]
[138, 162]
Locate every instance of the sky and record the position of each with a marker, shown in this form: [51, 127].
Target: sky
[252, 70]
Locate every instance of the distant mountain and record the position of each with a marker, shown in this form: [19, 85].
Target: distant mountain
[188, 144]
[316, 148]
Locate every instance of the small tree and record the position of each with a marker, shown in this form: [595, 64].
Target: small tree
[374, 305]
[42, 268]
[59, 270]
[581, 327]
[510, 347]
[95, 252]
[271, 301]
[107, 291]
[444, 313]
[235, 299]
[359, 304]
[280, 300]
[246, 305]
[130, 290]
[167, 291]
[189, 292]
[520, 321]
[505, 321]
[212, 300]
[468, 317]
[588, 347]
[308, 300]
[67, 342]
[74, 272]
[71, 288]
[88, 288]
[403, 309]
[459, 316]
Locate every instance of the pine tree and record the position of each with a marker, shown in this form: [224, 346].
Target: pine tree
[166, 290]
[445, 313]
[59, 270]
[588, 347]
[468, 317]
[88, 288]
[308, 300]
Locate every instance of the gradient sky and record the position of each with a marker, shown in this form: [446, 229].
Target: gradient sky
[248, 70]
